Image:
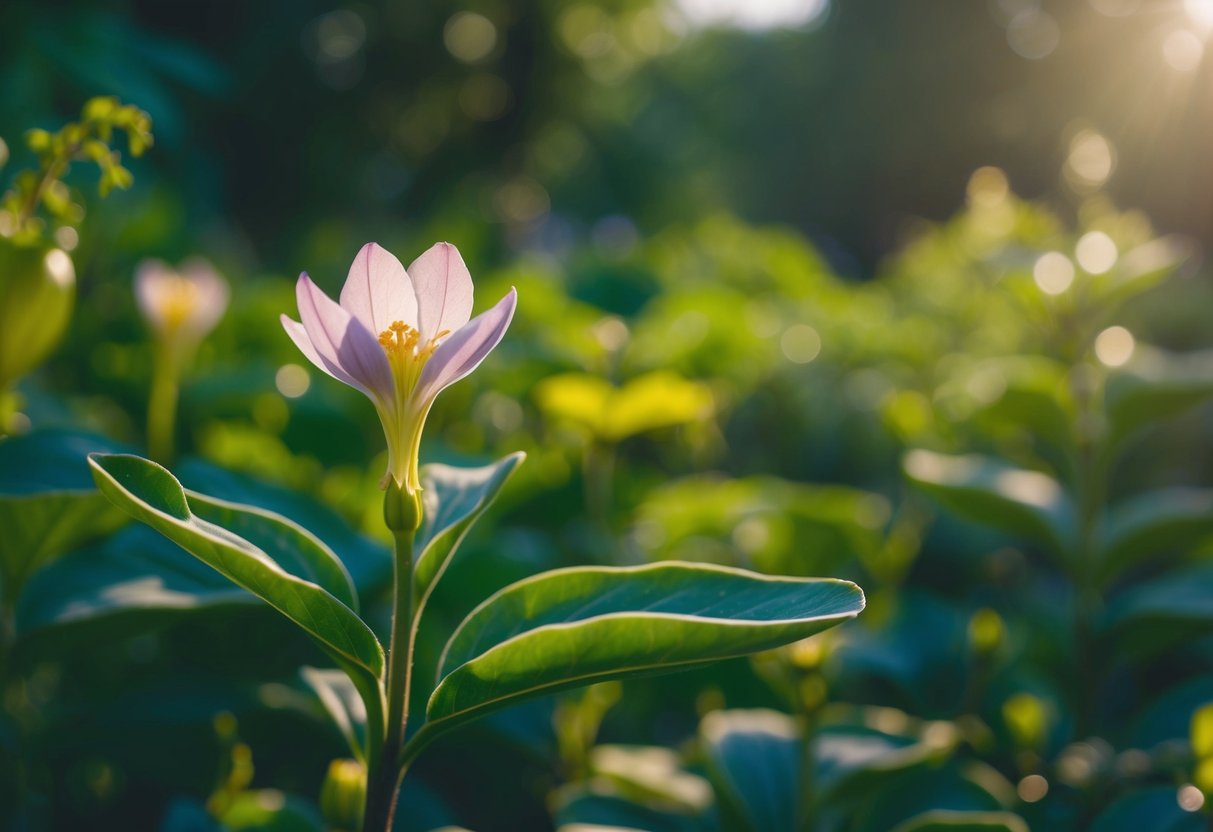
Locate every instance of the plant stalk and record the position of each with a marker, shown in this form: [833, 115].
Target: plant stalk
[162, 403]
[385, 774]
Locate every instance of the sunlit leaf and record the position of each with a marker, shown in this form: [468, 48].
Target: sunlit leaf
[575, 626]
[454, 498]
[275, 560]
[659, 399]
[342, 703]
[986, 491]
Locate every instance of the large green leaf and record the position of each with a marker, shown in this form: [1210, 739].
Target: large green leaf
[1158, 522]
[368, 562]
[268, 555]
[454, 498]
[48, 503]
[849, 761]
[575, 626]
[756, 759]
[1024, 503]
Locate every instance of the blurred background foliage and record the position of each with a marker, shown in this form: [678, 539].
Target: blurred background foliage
[828, 287]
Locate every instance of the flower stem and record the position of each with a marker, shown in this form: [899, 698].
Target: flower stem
[386, 773]
[162, 404]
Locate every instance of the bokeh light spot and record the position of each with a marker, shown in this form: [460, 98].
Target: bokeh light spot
[1183, 50]
[1053, 273]
[800, 343]
[1190, 798]
[1032, 788]
[470, 37]
[1096, 252]
[1114, 346]
[1091, 159]
[1033, 34]
[292, 380]
[1201, 12]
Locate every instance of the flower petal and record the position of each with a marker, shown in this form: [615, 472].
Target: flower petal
[212, 295]
[462, 352]
[378, 291]
[444, 290]
[343, 342]
[151, 281]
[298, 334]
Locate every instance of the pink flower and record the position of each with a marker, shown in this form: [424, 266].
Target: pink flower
[399, 337]
[182, 304]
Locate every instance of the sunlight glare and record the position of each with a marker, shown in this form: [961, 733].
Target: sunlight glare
[753, 15]
[1201, 12]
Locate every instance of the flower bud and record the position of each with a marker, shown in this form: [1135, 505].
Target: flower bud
[37, 291]
[402, 511]
[343, 794]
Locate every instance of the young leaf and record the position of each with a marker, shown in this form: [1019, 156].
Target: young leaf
[576, 626]
[454, 499]
[151, 494]
[1025, 503]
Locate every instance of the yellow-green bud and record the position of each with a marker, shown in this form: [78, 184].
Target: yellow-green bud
[402, 512]
[343, 794]
[37, 291]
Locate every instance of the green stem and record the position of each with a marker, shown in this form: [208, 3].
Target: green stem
[385, 774]
[1090, 496]
[162, 403]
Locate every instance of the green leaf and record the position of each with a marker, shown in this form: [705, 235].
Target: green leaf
[342, 703]
[850, 761]
[48, 503]
[369, 564]
[266, 560]
[269, 810]
[1155, 386]
[595, 807]
[1154, 616]
[581, 625]
[454, 499]
[1158, 522]
[943, 820]
[989, 492]
[652, 775]
[755, 758]
[1154, 808]
[127, 582]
